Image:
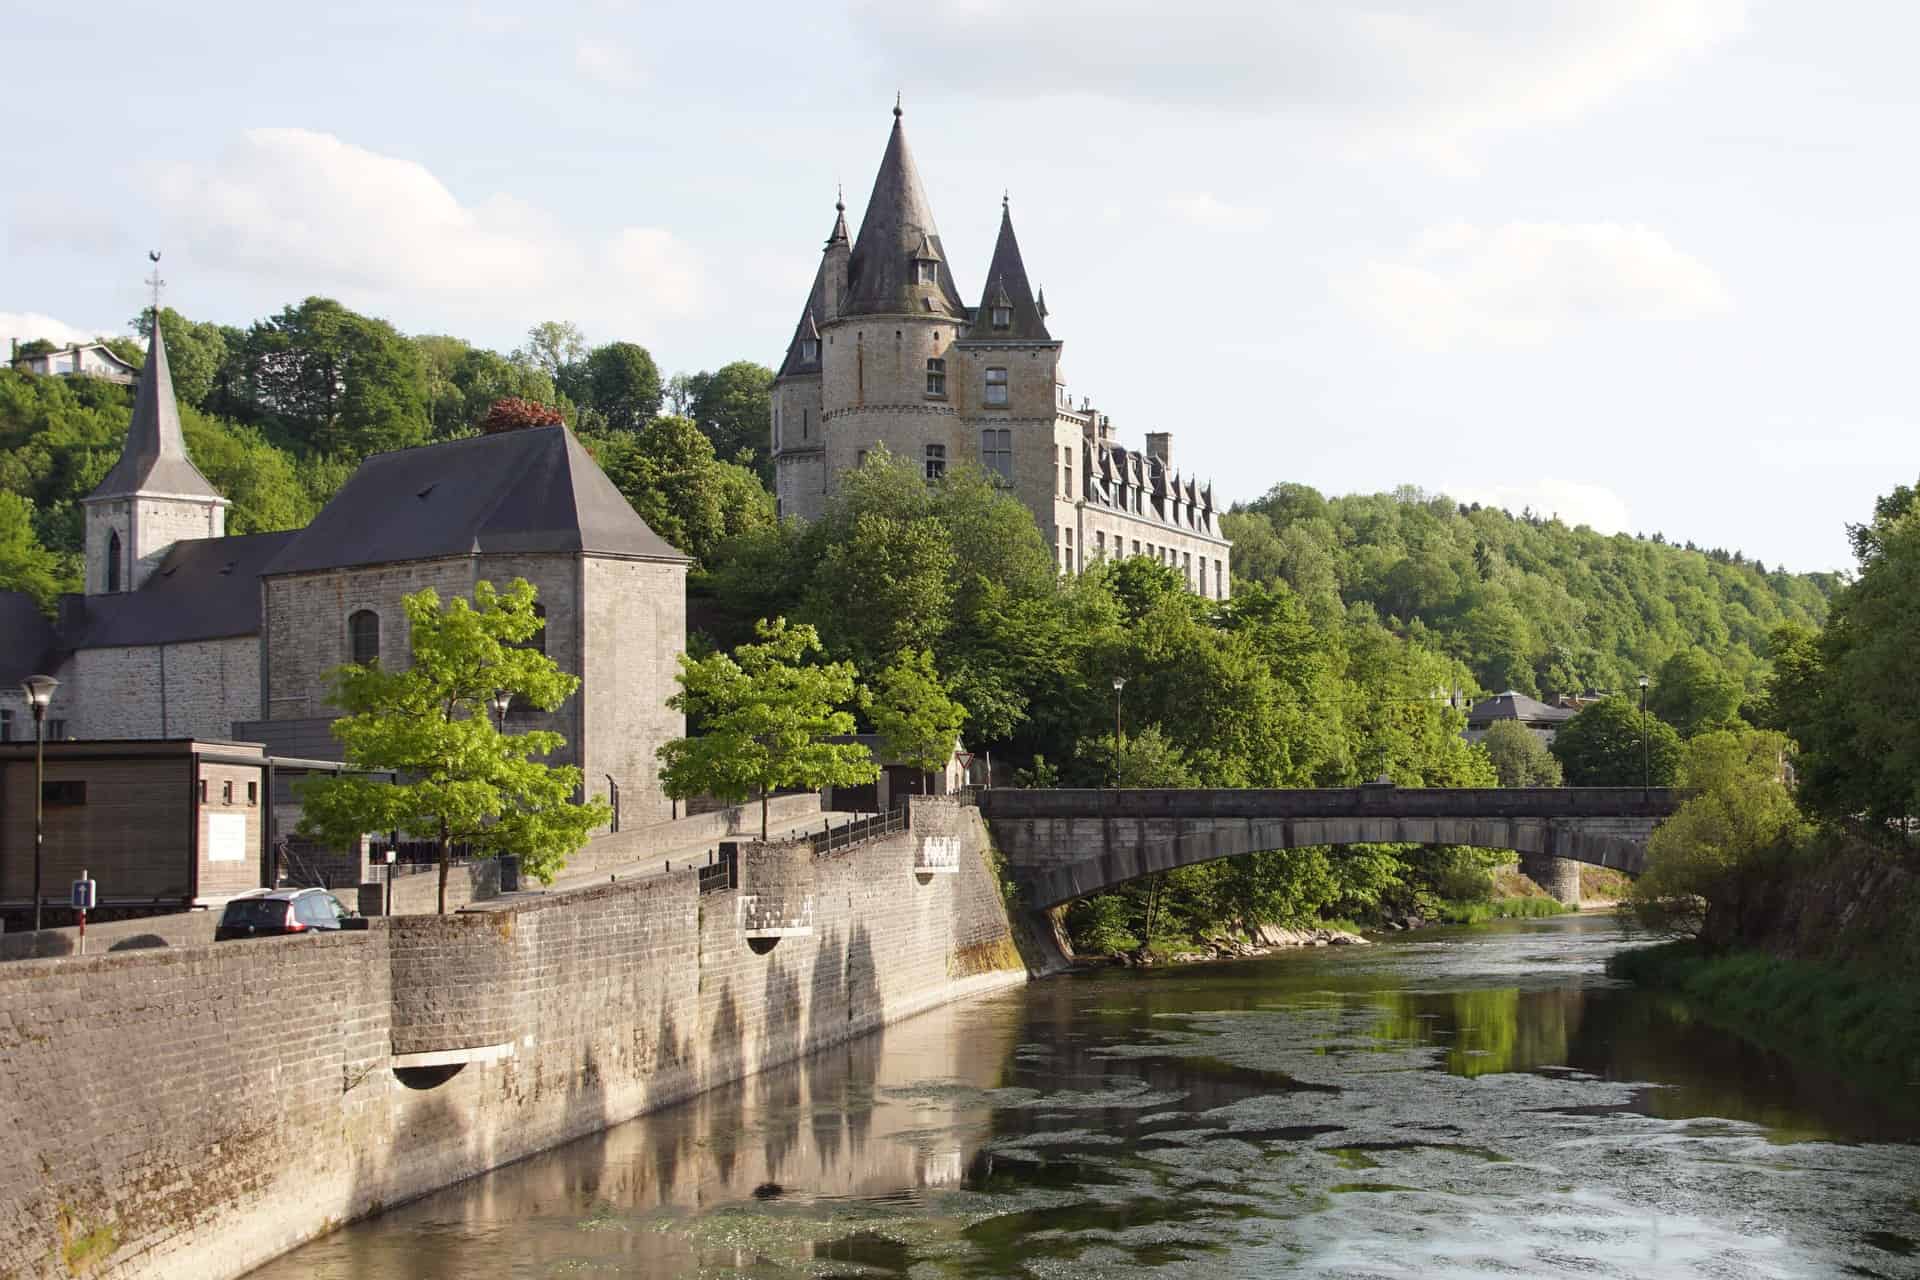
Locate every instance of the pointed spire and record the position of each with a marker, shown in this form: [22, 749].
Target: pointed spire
[839, 233]
[881, 275]
[155, 458]
[1040, 302]
[897, 113]
[803, 352]
[1007, 287]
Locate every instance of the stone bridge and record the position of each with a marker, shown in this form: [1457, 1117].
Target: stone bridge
[1066, 844]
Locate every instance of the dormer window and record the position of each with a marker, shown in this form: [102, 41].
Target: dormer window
[1003, 317]
[926, 272]
[809, 348]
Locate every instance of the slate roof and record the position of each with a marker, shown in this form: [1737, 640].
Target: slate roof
[809, 327]
[518, 492]
[203, 589]
[1512, 705]
[155, 457]
[27, 639]
[1007, 287]
[897, 227]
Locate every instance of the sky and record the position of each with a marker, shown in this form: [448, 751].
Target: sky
[1645, 264]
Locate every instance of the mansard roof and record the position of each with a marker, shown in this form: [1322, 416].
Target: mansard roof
[203, 589]
[1007, 287]
[897, 228]
[1513, 705]
[155, 457]
[520, 492]
[808, 329]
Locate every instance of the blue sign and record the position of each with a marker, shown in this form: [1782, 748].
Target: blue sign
[85, 894]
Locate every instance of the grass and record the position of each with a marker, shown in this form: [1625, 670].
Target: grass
[1798, 1007]
[1498, 909]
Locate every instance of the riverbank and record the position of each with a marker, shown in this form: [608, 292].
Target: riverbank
[1802, 1008]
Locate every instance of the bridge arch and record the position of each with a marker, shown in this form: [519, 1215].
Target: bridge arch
[1063, 845]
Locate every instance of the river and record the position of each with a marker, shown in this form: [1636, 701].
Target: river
[1462, 1102]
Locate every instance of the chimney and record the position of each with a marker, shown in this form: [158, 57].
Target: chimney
[1160, 446]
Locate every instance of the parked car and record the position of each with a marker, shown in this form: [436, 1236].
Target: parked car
[269, 913]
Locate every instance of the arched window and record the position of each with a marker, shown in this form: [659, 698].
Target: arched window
[363, 636]
[113, 560]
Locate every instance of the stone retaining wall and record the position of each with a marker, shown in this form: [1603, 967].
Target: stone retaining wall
[191, 1112]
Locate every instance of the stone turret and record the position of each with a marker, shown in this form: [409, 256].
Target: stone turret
[154, 496]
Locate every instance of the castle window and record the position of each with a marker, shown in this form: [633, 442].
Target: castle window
[996, 452]
[6, 724]
[1220, 579]
[253, 793]
[363, 637]
[803, 424]
[1099, 545]
[226, 792]
[1003, 317]
[929, 272]
[113, 560]
[997, 387]
[936, 462]
[860, 459]
[809, 349]
[1067, 475]
[937, 377]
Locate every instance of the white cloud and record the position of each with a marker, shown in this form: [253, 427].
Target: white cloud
[1575, 503]
[1521, 284]
[306, 212]
[25, 326]
[602, 60]
[1438, 79]
[1206, 210]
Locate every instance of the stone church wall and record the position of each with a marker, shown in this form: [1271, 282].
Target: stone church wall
[269, 1109]
[633, 631]
[198, 689]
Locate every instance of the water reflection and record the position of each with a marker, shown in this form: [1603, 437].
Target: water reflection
[1480, 1102]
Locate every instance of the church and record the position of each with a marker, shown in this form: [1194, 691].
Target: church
[184, 632]
[888, 355]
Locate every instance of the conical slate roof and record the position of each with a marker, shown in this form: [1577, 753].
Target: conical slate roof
[808, 329]
[155, 458]
[516, 493]
[1007, 287]
[897, 228]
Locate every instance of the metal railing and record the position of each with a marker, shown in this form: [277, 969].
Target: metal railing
[846, 835]
[723, 873]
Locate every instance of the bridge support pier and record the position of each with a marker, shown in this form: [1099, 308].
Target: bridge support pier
[1560, 877]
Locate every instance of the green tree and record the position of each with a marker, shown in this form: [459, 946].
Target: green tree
[457, 777]
[1848, 696]
[1699, 860]
[554, 347]
[622, 385]
[687, 496]
[1519, 757]
[336, 381]
[1603, 747]
[734, 406]
[1694, 694]
[25, 565]
[916, 720]
[761, 719]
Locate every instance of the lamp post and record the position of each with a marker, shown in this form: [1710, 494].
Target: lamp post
[39, 691]
[1646, 759]
[500, 701]
[1119, 683]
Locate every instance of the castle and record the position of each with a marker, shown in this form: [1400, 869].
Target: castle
[887, 355]
[184, 632]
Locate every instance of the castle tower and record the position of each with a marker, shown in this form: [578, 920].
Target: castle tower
[886, 336]
[154, 496]
[799, 449]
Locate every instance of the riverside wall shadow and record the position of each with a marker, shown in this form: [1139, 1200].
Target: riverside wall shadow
[195, 1110]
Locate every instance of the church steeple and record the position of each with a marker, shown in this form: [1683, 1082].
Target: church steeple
[1008, 309]
[899, 265]
[154, 460]
[154, 496]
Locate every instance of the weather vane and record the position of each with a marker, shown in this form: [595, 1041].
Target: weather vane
[154, 282]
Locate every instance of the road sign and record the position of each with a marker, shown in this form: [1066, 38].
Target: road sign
[965, 758]
[85, 894]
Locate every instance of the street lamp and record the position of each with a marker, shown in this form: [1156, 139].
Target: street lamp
[1119, 683]
[1646, 759]
[502, 699]
[39, 691]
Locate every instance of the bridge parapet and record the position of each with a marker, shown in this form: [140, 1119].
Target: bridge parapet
[1066, 844]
